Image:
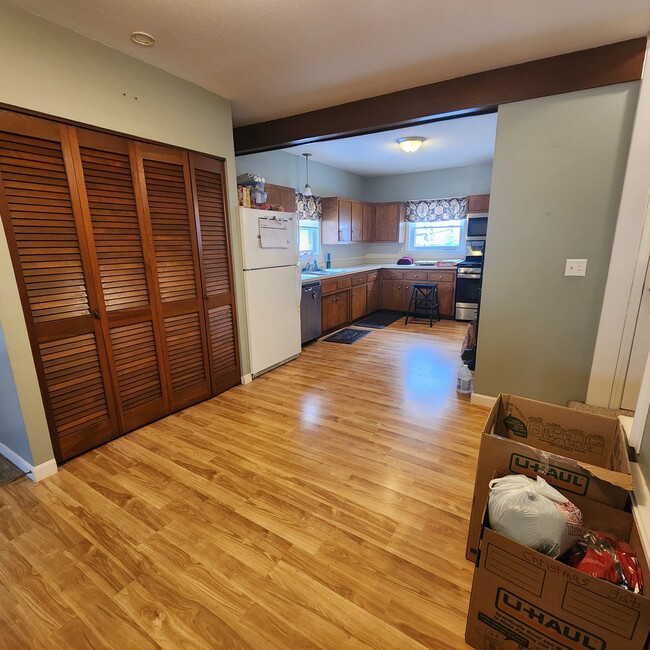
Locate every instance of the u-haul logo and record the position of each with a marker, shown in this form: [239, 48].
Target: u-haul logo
[567, 479]
[548, 624]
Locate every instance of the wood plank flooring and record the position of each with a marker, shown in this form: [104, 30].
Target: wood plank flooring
[324, 505]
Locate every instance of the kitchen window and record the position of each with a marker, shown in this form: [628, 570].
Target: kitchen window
[436, 235]
[309, 237]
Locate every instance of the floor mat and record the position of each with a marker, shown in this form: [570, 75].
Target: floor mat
[347, 335]
[8, 471]
[380, 319]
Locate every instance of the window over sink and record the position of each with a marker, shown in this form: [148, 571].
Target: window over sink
[448, 236]
[309, 233]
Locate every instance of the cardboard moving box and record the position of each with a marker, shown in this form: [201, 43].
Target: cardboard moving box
[577, 452]
[524, 599]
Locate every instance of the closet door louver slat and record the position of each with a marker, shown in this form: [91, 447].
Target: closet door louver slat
[210, 209]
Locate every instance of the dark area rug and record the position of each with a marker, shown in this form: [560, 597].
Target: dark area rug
[347, 335]
[380, 319]
[8, 471]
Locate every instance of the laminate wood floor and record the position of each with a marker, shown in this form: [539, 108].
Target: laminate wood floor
[324, 505]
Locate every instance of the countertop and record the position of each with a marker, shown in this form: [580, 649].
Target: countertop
[349, 270]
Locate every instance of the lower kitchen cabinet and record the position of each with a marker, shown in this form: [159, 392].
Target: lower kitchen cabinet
[358, 302]
[335, 310]
[446, 281]
[373, 293]
[392, 295]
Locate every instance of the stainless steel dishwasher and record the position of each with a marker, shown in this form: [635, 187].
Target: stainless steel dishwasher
[310, 325]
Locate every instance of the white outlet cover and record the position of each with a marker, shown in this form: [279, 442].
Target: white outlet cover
[575, 268]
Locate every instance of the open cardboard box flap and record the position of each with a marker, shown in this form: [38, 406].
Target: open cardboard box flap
[624, 481]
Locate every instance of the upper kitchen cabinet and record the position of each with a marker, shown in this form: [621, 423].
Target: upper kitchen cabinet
[387, 222]
[344, 221]
[478, 203]
[368, 221]
[282, 196]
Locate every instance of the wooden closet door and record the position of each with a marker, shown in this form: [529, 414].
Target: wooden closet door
[43, 221]
[120, 248]
[167, 188]
[216, 267]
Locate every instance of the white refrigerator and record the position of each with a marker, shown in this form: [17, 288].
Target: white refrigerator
[272, 286]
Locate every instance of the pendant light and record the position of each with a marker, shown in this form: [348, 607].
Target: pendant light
[307, 191]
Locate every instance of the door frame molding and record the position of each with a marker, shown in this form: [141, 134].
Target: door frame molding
[628, 265]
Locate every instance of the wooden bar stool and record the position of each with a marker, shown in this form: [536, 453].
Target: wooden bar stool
[423, 303]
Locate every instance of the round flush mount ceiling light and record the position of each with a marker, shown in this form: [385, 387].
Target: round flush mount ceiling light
[142, 38]
[411, 143]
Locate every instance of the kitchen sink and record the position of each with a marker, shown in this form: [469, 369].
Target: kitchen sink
[324, 272]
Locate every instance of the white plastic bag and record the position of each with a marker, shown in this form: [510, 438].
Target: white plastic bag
[533, 513]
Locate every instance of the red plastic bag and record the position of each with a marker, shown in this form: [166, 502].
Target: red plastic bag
[606, 557]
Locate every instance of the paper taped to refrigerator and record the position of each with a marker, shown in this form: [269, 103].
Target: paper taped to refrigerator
[274, 232]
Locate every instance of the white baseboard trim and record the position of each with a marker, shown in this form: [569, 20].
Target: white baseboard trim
[247, 378]
[48, 468]
[37, 473]
[483, 400]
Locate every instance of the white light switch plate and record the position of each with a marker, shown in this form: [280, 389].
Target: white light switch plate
[575, 267]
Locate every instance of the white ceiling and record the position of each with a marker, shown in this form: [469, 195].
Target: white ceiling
[274, 58]
[453, 143]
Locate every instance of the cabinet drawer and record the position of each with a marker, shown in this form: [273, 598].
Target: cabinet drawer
[371, 277]
[416, 275]
[442, 276]
[387, 274]
[358, 279]
[329, 286]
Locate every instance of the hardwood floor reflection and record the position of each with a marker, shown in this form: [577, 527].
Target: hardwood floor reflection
[324, 505]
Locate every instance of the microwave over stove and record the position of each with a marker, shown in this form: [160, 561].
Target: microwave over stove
[477, 226]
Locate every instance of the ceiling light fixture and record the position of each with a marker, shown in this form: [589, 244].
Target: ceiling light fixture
[307, 191]
[142, 38]
[411, 143]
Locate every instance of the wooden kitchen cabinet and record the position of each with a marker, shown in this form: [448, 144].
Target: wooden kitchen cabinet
[392, 295]
[478, 203]
[342, 220]
[358, 302]
[282, 196]
[373, 293]
[368, 222]
[388, 222]
[446, 281]
[357, 221]
[335, 310]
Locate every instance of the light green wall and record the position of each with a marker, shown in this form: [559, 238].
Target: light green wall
[556, 183]
[57, 72]
[283, 168]
[436, 184]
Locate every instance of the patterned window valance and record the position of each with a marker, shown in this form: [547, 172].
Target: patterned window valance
[309, 207]
[436, 209]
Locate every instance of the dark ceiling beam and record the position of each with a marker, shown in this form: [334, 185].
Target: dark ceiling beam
[475, 93]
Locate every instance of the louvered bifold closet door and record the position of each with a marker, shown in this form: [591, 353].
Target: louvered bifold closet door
[216, 267]
[43, 221]
[118, 234]
[168, 197]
